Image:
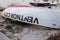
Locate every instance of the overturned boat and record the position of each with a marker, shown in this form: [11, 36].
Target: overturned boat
[44, 16]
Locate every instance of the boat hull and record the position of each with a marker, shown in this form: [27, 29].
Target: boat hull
[34, 15]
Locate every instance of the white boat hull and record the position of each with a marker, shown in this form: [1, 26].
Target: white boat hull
[34, 15]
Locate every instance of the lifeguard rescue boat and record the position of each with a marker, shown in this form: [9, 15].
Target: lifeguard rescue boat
[44, 16]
